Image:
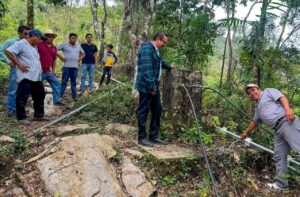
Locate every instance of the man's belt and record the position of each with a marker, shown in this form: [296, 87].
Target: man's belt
[279, 120]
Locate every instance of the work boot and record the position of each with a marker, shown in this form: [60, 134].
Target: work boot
[158, 141]
[145, 142]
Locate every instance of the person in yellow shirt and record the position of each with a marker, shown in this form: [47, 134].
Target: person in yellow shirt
[109, 59]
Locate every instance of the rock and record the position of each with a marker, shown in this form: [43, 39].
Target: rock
[135, 181]
[70, 128]
[5, 138]
[134, 153]
[81, 168]
[120, 128]
[169, 152]
[48, 90]
[51, 109]
[15, 191]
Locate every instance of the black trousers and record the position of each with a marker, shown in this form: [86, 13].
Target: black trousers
[106, 71]
[37, 92]
[147, 103]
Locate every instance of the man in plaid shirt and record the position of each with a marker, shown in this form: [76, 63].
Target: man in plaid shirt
[150, 66]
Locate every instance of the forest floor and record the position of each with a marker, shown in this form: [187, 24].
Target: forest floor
[238, 170]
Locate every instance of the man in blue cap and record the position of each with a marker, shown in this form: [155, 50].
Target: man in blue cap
[25, 56]
[12, 85]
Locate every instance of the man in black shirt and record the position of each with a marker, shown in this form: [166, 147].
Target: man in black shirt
[89, 62]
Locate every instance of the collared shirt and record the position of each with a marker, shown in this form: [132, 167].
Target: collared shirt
[4, 46]
[48, 55]
[90, 50]
[269, 108]
[158, 53]
[71, 54]
[28, 56]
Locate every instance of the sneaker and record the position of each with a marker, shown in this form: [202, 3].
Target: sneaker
[24, 122]
[11, 114]
[40, 119]
[158, 141]
[146, 143]
[275, 187]
[59, 103]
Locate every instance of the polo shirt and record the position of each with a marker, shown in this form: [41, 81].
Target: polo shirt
[269, 108]
[28, 56]
[89, 50]
[71, 54]
[48, 55]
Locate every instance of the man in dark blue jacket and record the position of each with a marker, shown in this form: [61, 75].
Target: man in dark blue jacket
[149, 72]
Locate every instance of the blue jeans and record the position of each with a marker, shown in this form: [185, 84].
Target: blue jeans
[55, 85]
[12, 89]
[148, 102]
[84, 69]
[66, 74]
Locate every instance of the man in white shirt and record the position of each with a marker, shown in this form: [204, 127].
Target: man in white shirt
[25, 56]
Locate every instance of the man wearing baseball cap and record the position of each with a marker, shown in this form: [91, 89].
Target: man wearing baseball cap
[272, 108]
[48, 56]
[25, 56]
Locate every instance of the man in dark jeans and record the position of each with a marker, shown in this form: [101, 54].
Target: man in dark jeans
[25, 56]
[73, 54]
[149, 67]
[109, 59]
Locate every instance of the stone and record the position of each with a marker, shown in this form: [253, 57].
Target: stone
[120, 128]
[169, 152]
[81, 167]
[51, 109]
[5, 138]
[135, 181]
[134, 153]
[48, 90]
[70, 128]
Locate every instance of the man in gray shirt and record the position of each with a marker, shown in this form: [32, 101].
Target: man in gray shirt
[272, 108]
[25, 56]
[73, 54]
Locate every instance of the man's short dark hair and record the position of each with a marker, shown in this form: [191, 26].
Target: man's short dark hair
[72, 34]
[159, 35]
[22, 28]
[110, 46]
[88, 35]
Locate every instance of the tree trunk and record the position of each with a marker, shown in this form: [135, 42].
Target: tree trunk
[261, 37]
[103, 23]
[30, 14]
[223, 63]
[94, 7]
[285, 20]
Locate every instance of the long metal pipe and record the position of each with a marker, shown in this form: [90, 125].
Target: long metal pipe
[36, 131]
[250, 142]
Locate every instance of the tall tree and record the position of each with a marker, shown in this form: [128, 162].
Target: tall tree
[30, 13]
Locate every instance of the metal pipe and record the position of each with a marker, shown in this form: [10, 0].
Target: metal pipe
[67, 115]
[248, 141]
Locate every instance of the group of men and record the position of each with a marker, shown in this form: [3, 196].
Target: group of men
[32, 60]
[272, 108]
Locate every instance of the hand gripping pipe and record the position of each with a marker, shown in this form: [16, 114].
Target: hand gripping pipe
[248, 141]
